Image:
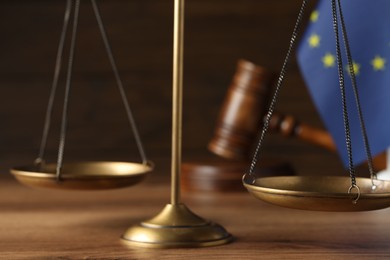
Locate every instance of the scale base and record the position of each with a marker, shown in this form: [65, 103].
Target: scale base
[176, 226]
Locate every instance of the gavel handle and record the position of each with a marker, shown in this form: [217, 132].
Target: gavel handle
[290, 127]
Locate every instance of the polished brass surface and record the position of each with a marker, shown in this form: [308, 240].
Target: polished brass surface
[176, 226]
[177, 99]
[83, 175]
[322, 193]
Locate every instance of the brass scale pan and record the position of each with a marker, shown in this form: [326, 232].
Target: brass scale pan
[82, 175]
[323, 193]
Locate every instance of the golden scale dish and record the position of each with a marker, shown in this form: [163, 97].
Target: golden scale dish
[176, 225]
[323, 193]
[81, 175]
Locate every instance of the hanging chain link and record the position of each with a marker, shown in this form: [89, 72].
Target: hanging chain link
[277, 88]
[357, 98]
[343, 95]
[67, 90]
[344, 104]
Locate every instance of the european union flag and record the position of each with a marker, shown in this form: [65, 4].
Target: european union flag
[368, 28]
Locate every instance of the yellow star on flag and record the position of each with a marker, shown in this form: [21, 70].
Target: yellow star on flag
[314, 16]
[356, 68]
[378, 63]
[328, 60]
[314, 40]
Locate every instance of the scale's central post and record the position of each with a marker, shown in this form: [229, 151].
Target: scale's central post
[177, 99]
[176, 225]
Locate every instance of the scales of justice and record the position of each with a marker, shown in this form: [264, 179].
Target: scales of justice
[176, 225]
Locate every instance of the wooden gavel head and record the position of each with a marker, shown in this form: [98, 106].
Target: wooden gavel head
[242, 111]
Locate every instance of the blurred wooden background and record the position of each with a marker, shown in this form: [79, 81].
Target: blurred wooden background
[218, 33]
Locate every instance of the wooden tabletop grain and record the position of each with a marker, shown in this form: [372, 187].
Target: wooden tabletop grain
[51, 224]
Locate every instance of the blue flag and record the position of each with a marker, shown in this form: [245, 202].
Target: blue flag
[368, 28]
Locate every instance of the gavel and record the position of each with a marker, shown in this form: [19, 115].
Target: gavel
[243, 112]
[240, 119]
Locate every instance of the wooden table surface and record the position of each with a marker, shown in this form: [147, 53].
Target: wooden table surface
[51, 224]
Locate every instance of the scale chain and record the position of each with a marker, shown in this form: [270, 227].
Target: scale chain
[356, 94]
[343, 95]
[39, 161]
[67, 91]
[119, 82]
[278, 87]
[357, 100]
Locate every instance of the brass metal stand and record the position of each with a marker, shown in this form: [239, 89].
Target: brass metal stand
[176, 225]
